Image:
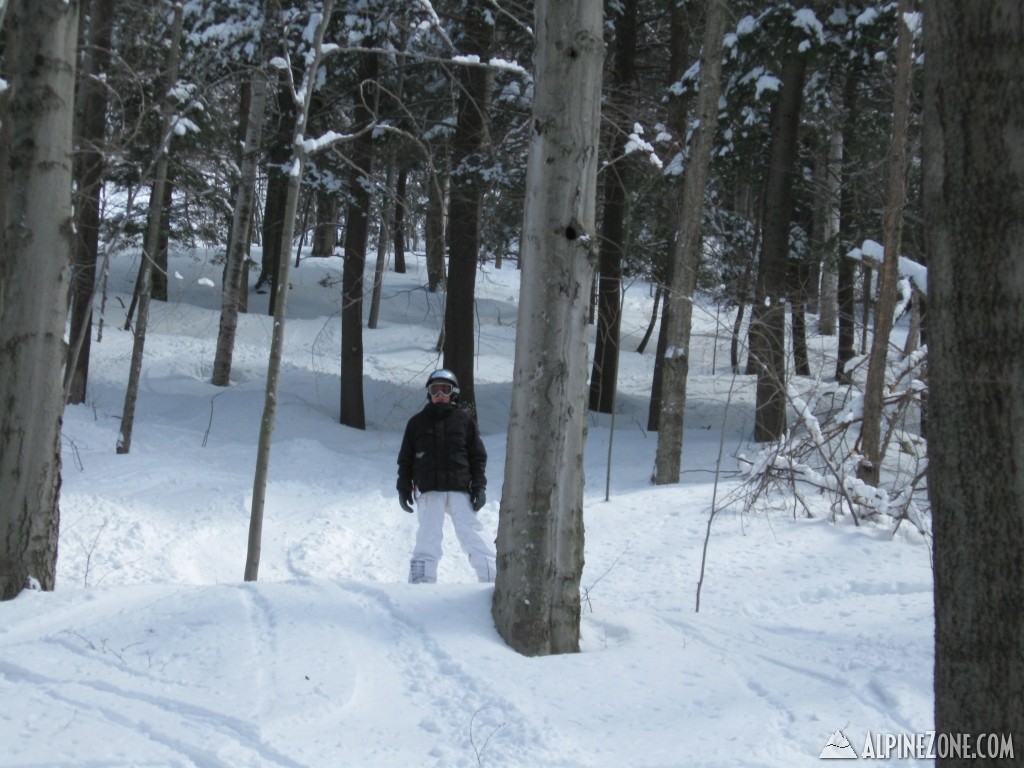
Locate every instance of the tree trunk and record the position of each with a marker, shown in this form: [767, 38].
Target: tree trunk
[89, 168]
[434, 231]
[916, 317]
[974, 223]
[802, 272]
[745, 291]
[868, 294]
[734, 344]
[259, 484]
[152, 238]
[398, 232]
[386, 209]
[768, 314]
[325, 231]
[680, 35]
[827, 301]
[233, 289]
[35, 253]
[620, 115]
[464, 207]
[536, 604]
[829, 178]
[846, 269]
[871, 448]
[278, 182]
[357, 229]
[798, 324]
[658, 376]
[655, 314]
[686, 252]
[159, 284]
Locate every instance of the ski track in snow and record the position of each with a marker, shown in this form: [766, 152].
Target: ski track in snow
[438, 686]
[143, 704]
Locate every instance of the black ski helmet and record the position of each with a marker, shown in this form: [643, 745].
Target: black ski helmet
[443, 374]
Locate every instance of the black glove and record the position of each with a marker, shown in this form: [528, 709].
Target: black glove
[478, 498]
[405, 499]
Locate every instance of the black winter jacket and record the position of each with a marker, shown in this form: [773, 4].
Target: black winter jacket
[442, 451]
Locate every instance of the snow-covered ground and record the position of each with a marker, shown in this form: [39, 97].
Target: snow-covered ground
[153, 651]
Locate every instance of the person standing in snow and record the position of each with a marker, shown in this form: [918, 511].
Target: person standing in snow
[441, 468]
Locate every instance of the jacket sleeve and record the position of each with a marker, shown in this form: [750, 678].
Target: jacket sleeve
[406, 456]
[477, 457]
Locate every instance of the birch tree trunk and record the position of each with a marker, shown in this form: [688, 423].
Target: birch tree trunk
[259, 484]
[232, 291]
[974, 223]
[686, 252]
[872, 450]
[536, 603]
[35, 253]
[152, 239]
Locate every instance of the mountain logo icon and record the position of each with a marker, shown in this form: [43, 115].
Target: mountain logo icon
[838, 748]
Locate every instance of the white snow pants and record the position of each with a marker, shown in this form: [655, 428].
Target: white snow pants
[430, 509]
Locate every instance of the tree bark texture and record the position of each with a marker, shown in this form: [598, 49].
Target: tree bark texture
[660, 348]
[798, 325]
[974, 216]
[803, 272]
[386, 208]
[686, 252]
[434, 226]
[536, 604]
[159, 292]
[325, 230]
[89, 169]
[620, 114]
[278, 155]
[357, 232]
[768, 314]
[846, 269]
[35, 253]
[398, 233]
[872, 449]
[464, 207]
[827, 170]
[680, 36]
[233, 290]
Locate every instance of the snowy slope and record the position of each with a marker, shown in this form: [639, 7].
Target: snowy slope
[154, 652]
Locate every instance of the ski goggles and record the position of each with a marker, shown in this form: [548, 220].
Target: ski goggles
[439, 388]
